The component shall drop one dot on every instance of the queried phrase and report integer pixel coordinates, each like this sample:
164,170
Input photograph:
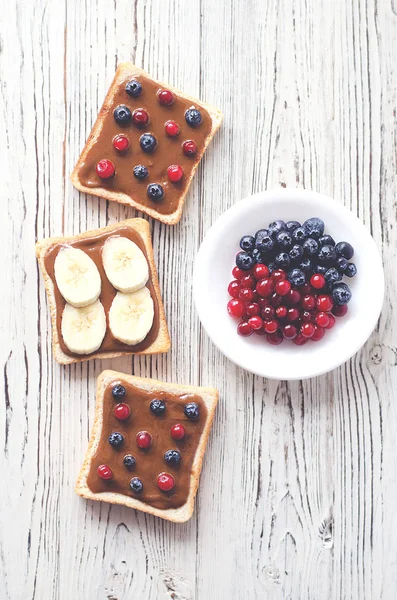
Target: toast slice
177,507
159,340
123,187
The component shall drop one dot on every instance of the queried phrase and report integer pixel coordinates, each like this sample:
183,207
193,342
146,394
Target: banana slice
125,264
84,328
77,277
131,316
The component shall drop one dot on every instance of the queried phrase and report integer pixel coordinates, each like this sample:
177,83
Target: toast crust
131,70
176,515
161,344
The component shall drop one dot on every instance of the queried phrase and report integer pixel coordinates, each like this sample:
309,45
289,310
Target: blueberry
263,241
297,277
291,225
342,264
136,485
310,247
192,411
258,257
296,253
327,255
299,235
284,240
148,142
115,439
332,275
341,294
140,172
283,260
321,269
276,227
172,457
155,191
133,88
122,115
129,461
193,117
271,266
326,240
247,243
157,407
344,249
314,227
306,266
351,270
244,261
118,391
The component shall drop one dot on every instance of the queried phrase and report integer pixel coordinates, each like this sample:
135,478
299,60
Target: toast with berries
146,145
147,444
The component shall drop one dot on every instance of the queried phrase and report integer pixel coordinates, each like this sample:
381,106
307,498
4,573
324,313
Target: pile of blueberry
288,282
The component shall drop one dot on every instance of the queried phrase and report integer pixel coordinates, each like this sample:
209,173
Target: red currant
292,315
305,289
244,329
166,97
308,302
281,312
340,311
300,340
260,331
270,326
322,319
234,288
171,128
283,287
140,117
104,472
165,482
317,281
260,271
306,316
292,298
246,294
253,309
105,169
331,321
279,275
255,323
238,273
236,308
274,338
268,313
177,431
189,148
275,300
121,142
122,411
248,282
289,332
318,334
143,439
175,173
324,303
265,287
307,330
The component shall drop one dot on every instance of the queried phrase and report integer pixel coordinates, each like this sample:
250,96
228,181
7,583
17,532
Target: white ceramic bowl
212,274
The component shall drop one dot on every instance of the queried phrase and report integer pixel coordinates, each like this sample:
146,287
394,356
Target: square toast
157,340
147,464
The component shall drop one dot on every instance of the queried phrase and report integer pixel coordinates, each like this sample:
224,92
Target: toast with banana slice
103,293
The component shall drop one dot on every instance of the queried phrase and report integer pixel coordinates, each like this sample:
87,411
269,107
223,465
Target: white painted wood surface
298,494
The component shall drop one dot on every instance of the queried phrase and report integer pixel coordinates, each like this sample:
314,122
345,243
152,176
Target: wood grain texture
297,495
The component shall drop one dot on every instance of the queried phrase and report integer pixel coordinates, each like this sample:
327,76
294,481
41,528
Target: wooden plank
297,494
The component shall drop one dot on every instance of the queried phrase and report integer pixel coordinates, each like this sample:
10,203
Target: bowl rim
262,198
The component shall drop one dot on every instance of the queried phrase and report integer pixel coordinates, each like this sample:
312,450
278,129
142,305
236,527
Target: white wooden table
298,494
